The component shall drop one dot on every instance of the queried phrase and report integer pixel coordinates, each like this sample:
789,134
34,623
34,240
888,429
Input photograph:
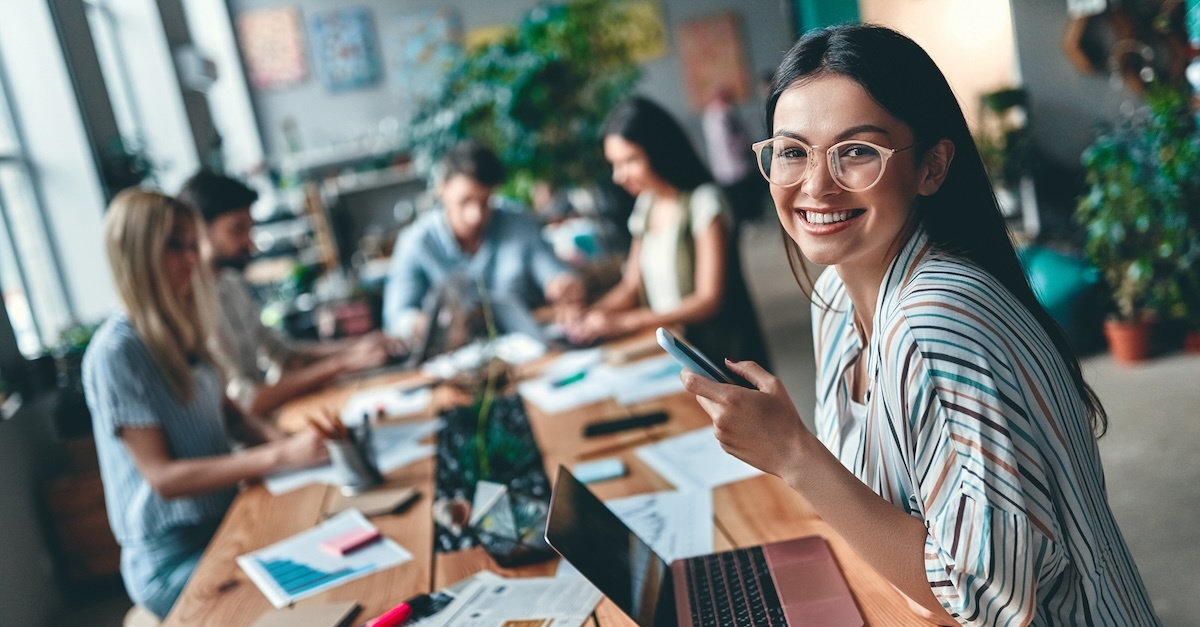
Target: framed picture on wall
272,43
345,49
710,50
419,46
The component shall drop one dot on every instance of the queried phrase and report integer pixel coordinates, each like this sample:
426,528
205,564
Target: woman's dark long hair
670,152
962,218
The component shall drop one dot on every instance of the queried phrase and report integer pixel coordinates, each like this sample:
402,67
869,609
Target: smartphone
694,360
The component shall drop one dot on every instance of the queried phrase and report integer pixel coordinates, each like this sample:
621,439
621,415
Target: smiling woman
953,445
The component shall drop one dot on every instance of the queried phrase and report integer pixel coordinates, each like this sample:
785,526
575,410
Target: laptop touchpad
802,582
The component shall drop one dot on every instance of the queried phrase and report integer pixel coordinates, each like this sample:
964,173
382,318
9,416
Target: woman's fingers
752,372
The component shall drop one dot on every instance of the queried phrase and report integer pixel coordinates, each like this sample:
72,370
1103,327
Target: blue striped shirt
125,389
974,426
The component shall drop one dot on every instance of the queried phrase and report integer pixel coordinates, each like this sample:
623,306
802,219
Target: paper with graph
296,568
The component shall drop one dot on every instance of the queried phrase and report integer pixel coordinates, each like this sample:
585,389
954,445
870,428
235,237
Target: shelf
354,182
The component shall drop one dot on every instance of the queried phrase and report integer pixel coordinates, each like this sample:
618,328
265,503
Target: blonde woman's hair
177,330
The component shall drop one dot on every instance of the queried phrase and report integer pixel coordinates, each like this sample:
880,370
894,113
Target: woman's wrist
809,453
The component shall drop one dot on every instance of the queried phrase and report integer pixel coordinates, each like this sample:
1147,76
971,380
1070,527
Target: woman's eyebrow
846,134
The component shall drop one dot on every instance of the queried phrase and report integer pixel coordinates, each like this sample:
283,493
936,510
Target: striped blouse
973,425
125,389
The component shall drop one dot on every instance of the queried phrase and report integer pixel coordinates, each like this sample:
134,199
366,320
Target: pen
578,376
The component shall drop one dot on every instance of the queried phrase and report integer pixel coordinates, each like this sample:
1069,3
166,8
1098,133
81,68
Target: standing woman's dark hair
962,218
668,148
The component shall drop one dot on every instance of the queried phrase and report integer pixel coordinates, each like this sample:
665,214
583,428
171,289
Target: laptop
791,583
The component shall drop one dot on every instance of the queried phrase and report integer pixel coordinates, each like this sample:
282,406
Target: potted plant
1139,214
538,97
1005,144
71,415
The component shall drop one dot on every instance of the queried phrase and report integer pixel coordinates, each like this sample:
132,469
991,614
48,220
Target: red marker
393,617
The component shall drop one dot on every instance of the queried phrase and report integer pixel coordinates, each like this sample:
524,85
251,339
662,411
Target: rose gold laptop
795,583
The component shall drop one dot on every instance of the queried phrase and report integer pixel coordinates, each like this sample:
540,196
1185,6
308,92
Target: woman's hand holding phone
759,426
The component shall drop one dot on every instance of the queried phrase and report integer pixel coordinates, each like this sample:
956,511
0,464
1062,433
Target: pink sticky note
350,542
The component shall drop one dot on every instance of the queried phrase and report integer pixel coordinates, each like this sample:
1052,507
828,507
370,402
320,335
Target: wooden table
762,509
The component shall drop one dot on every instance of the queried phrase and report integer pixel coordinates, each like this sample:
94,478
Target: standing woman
954,446
683,267
157,404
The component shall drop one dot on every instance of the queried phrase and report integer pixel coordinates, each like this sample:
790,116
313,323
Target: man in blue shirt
501,250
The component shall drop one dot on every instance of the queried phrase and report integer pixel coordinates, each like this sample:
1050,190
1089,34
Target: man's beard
237,263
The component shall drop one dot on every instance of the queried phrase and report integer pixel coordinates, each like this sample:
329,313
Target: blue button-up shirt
513,260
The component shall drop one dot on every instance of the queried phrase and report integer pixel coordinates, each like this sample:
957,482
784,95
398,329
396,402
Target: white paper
551,399
637,382
296,568
562,602
675,524
395,446
695,461
645,380
513,349
392,402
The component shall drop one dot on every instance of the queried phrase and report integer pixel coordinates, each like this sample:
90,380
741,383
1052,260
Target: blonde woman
158,409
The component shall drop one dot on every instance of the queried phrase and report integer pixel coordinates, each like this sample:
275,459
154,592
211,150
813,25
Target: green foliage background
1141,211
537,97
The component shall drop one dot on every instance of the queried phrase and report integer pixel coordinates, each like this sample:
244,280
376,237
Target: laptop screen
585,532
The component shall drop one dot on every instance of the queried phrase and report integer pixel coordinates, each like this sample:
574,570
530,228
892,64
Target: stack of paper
695,461
388,402
296,568
493,601
578,381
675,524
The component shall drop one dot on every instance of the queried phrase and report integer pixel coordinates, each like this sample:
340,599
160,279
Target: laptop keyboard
733,588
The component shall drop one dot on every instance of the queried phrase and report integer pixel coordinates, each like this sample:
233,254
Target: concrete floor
1149,453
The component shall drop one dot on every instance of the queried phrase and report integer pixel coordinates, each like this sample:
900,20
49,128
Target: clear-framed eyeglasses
855,165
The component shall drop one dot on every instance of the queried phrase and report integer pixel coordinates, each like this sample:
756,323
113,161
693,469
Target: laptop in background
791,583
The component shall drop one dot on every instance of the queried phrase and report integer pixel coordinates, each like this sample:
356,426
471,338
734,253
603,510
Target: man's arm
407,281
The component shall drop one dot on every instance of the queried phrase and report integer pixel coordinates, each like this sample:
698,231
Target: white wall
56,143
229,97
970,40
325,118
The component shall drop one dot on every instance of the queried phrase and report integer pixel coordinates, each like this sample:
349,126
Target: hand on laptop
760,427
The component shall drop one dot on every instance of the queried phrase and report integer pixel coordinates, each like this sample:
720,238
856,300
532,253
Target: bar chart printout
296,567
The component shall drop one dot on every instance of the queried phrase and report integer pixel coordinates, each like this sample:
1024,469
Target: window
30,280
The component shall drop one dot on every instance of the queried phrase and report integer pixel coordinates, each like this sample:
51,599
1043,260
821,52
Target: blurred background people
159,414
733,168
500,251
268,367
683,268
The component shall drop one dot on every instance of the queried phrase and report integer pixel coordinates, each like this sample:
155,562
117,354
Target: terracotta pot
1191,341
1129,342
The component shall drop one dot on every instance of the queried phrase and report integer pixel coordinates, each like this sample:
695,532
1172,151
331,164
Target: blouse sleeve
115,379
637,219
990,538
708,204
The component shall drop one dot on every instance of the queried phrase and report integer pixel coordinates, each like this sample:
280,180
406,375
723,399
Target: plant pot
1129,342
1191,341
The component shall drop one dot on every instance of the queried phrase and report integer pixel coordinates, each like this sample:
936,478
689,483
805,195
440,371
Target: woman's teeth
828,218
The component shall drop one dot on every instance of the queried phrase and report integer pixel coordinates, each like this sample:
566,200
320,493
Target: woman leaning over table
683,267
157,403
954,445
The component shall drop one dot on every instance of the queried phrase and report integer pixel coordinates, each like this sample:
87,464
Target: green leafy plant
538,97
1003,137
1140,211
